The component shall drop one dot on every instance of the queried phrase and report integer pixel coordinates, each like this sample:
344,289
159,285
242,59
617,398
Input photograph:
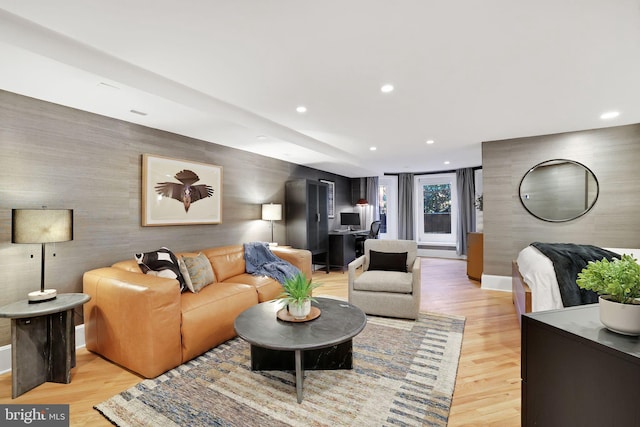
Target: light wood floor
487,389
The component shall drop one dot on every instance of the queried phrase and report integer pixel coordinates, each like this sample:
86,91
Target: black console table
43,345
575,372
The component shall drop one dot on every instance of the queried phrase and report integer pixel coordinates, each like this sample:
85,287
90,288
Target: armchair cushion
384,281
388,261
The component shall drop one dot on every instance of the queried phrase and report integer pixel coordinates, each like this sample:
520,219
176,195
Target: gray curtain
405,206
465,184
371,195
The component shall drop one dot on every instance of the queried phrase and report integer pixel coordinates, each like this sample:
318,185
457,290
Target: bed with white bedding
534,282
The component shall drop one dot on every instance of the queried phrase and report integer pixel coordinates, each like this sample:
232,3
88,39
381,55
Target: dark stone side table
43,346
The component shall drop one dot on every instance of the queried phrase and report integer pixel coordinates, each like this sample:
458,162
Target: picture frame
331,196
180,192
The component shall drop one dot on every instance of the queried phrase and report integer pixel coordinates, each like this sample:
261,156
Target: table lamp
41,226
272,212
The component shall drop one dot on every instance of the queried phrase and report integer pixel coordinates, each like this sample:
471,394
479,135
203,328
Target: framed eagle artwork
180,192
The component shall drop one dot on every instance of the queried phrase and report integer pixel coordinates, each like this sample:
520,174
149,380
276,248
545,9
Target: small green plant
619,279
297,289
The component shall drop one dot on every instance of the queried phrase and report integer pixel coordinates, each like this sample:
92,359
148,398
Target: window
436,208
388,206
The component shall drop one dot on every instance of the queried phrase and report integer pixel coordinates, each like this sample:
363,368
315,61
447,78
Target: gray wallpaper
59,157
613,154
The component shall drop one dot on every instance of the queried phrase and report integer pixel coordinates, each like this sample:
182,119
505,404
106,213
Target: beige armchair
380,290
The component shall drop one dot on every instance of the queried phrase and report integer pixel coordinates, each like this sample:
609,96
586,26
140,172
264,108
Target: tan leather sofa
143,322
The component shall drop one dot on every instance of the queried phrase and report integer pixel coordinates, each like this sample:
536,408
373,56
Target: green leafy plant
618,279
297,289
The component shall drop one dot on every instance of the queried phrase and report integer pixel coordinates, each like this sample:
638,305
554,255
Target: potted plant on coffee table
297,295
617,283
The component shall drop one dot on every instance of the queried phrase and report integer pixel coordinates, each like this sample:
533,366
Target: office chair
374,231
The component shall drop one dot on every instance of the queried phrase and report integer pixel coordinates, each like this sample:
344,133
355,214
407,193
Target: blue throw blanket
261,261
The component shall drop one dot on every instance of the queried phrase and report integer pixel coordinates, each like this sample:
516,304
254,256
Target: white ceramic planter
300,311
620,318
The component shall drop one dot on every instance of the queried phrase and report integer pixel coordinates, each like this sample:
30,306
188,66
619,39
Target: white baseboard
496,283
5,350
439,253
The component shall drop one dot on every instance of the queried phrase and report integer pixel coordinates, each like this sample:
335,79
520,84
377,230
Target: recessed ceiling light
446,162
373,148
609,115
430,141
386,88
301,109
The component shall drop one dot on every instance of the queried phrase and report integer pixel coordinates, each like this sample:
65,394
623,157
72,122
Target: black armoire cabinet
307,218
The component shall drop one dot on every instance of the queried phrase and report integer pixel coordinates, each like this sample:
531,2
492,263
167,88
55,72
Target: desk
342,247
575,372
43,344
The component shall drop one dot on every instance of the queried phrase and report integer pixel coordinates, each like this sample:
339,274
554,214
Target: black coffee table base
334,357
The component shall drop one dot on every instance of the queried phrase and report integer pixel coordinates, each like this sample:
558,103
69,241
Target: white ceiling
464,71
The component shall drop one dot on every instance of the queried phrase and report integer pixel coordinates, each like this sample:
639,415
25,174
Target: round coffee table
322,343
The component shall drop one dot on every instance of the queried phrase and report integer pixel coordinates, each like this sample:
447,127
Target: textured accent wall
60,157
613,154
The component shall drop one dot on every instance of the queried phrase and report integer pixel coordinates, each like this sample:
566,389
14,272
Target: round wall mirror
558,190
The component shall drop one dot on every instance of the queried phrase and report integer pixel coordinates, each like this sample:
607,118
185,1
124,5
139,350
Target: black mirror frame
559,160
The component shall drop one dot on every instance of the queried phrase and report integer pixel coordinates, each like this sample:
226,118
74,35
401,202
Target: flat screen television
350,219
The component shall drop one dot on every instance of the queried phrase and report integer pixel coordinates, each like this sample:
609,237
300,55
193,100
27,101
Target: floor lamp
41,226
272,212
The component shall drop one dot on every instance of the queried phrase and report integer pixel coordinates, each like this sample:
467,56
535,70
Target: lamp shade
41,225
272,212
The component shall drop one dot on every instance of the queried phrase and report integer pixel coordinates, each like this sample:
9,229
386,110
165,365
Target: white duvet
537,271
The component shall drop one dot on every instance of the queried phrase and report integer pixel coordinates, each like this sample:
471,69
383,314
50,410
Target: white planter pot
620,318
300,311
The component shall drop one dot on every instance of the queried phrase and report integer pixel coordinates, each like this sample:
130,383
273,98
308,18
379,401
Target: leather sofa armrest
301,258
133,319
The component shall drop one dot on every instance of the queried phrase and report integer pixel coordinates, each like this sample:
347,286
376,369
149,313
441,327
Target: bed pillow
388,261
200,272
162,263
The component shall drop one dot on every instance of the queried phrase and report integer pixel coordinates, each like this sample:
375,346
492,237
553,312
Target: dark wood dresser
575,372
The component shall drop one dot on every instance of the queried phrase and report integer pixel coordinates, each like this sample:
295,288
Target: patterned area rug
404,374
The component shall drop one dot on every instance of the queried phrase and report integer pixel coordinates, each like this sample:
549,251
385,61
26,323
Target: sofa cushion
267,287
227,261
388,261
208,316
199,272
162,263
384,281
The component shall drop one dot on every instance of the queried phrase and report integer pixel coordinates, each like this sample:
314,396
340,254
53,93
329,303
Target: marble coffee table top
339,321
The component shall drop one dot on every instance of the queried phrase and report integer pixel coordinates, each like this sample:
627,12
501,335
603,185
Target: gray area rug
404,374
